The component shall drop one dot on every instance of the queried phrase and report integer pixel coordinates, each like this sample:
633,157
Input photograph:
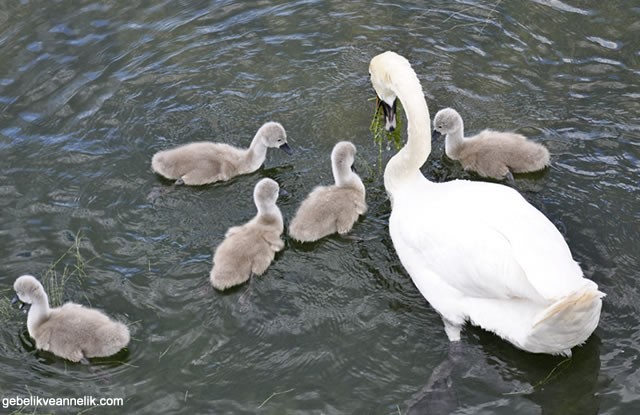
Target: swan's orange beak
389,114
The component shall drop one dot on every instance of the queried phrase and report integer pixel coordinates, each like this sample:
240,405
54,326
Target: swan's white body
478,251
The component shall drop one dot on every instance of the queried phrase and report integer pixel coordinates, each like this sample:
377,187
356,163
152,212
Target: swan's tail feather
553,329
582,299
566,323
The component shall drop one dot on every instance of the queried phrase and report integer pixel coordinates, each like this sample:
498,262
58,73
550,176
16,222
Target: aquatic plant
383,137
52,281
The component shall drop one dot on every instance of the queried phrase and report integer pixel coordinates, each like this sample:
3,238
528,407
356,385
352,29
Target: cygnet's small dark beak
389,114
22,305
285,147
353,168
436,134
282,192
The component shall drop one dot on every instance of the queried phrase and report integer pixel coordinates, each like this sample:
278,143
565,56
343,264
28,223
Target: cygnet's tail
530,156
121,335
566,323
222,278
110,339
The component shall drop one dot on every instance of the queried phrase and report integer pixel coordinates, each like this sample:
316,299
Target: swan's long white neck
405,166
39,311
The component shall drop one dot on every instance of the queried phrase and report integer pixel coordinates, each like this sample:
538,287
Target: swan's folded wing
537,245
467,256
486,241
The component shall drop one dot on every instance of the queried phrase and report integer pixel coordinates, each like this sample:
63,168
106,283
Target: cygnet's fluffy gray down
335,208
205,162
490,153
249,249
73,332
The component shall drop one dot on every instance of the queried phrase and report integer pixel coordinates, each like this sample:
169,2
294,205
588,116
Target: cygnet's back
72,331
490,153
249,249
206,162
335,208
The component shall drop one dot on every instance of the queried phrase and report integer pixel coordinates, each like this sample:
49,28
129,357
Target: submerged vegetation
6,310
53,282
382,137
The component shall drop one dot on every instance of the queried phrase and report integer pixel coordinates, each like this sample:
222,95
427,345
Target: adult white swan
478,251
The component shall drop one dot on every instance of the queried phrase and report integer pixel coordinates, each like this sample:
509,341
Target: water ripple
563,7
89,91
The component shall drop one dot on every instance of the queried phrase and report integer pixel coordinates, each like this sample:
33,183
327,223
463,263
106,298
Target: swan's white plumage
478,251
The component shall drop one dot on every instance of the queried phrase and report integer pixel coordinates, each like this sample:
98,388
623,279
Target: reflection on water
90,90
556,385
439,394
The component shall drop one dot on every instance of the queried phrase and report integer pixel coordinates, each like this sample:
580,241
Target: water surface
90,90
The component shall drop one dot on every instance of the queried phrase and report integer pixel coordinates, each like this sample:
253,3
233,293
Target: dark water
90,90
